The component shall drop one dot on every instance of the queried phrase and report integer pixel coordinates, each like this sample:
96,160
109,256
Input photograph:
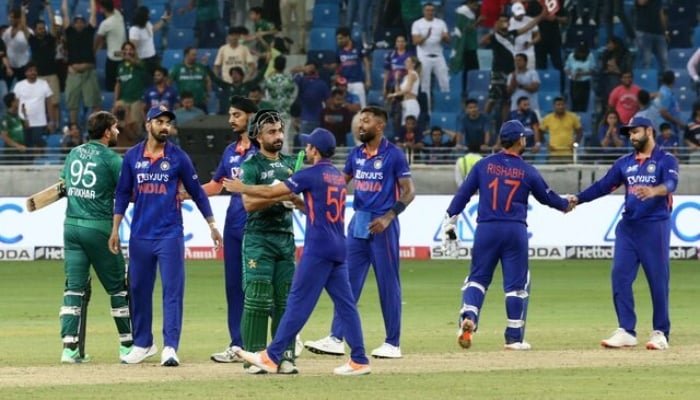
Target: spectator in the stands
237,87
264,30
476,128
313,92
651,32
43,44
616,8
564,129
298,8
34,96
234,54
524,43
624,97
409,137
611,141
614,60
667,140
360,12
523,81
465,163
436,146
407,90
12,130
667,103
465,57
529,119
352,101
586,12
580,67
141,34
394,64
691,135
5,72
184,114
128,91
162,93
209,24
16,38
693,67
112,34
255,94
648,109
337,118
280,89
72,137
191,76
428,34
353,64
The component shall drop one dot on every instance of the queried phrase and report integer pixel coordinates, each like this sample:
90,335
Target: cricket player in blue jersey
383,189
504,182
150,176
240,111
322,264
643,235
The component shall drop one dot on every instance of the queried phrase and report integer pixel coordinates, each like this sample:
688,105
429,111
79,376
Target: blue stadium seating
101,60
686,101
326,16
157,10
545,100
107,100
455,83
185,20
179,38
322,39
446,102
53,140
446,120
696,37
171,58
211,56
321,56
374,97
477,80
481,97
549,80
647,79
683,83
678,58
587,124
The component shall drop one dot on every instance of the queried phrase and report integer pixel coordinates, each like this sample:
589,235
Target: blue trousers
233,279
382,251
312,275
144,257
505,242
647,243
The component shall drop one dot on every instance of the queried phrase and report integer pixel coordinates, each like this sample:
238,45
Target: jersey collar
382,145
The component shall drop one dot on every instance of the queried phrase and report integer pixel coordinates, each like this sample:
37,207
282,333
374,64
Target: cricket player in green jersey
268,238
90,173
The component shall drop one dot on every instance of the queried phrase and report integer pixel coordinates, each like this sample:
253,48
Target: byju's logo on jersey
142,164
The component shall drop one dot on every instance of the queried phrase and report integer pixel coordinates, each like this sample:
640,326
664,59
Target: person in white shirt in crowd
141,34
408,90
16,38
427,34
524,43
233,54
693,67
34,95
523,82
111,33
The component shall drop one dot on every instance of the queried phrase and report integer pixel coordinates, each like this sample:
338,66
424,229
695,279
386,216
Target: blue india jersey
230,167
504,182
632,171
152,181
350,60
396,62
376,176
324,192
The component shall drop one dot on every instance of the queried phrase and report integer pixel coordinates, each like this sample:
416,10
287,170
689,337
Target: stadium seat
446,102
455,83
326,16
186,20
322,39
211,55
485,57
647,79
578,34
678,58
683,83
481,97
545,101
477,80
686,101
696,37
321,56
101,59
53,140
549,80
374,97
180,38
446,120
171,58
586,124
157,10
107,101
680,37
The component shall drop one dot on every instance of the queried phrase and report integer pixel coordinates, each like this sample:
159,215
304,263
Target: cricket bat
47,196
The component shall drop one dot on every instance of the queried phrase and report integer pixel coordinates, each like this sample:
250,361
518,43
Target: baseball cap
518,9
513,130
634,123
156,112
341,81
321,139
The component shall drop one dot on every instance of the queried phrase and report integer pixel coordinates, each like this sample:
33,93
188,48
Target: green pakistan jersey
91,172
260,170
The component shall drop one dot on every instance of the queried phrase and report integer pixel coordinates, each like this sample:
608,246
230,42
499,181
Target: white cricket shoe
352,368
387,350
168,358
138,354
657,341
227,356
298,346
620,338
518,346
327,345
259,360
287,367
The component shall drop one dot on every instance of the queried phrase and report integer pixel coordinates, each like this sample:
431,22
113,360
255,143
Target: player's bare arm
258,197
215,234
408,193
114,245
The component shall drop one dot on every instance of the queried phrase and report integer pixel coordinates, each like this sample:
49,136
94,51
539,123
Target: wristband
398,208
212,225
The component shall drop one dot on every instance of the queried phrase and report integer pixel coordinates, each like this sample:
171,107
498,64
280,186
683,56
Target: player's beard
367,136
112,141
160,137
274,147
640,144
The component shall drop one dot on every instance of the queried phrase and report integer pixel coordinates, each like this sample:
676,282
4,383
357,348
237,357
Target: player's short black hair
521,99
98,123
471,100
664,126
507,144
343,30
376,111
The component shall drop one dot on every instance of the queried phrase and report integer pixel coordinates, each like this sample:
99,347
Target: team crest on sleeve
378,163
164,166
141,164
651,168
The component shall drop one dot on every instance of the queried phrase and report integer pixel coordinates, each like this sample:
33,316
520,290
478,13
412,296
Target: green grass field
570,312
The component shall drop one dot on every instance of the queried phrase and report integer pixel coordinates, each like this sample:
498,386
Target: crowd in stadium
449,72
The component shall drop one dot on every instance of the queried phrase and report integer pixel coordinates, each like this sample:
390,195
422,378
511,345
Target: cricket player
504,182
383,189
91,172
241,110
150,176
643,235
268,239
323,263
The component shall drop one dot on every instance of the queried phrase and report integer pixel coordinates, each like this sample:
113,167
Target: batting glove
450,243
